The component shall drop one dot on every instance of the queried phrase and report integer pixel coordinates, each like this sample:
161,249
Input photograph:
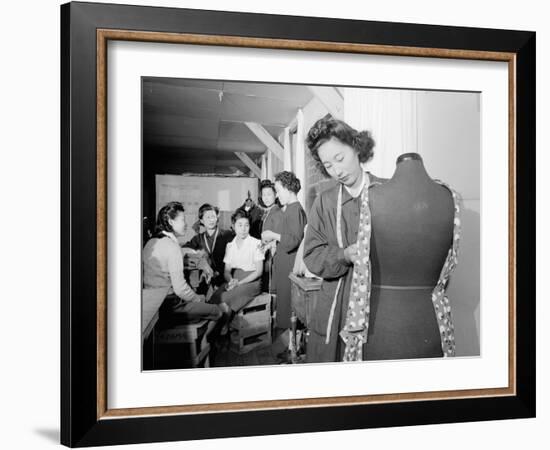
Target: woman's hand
268,236
207,271
267,246
232,283
188,251
351,254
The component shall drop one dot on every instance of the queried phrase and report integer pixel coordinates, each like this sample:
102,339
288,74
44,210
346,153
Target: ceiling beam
332,100
249,163
204,162
263,135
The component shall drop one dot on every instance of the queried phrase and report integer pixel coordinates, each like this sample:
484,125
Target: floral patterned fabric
355,331
441,303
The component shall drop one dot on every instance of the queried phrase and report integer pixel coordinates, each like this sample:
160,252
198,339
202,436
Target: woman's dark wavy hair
328,127
289,181
267,184
240,213
168,211
208,207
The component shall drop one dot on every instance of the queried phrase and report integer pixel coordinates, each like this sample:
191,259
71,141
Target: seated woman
243,266
163,267
212,242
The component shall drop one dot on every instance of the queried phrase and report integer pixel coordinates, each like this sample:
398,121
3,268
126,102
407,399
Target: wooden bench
251,326
193,339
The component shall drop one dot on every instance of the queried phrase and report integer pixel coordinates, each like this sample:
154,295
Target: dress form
412,231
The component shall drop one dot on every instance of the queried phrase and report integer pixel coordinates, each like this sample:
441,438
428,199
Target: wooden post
269,164
300,169
287,163
263,166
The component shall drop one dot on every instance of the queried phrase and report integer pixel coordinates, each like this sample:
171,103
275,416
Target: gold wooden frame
104,35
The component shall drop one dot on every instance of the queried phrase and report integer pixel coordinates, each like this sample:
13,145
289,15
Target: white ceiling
183,115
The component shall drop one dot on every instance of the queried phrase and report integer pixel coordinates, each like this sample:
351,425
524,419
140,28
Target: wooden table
151,301
303,299
303,296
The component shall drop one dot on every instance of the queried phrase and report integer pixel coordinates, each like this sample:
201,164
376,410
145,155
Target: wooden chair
251,326
193,339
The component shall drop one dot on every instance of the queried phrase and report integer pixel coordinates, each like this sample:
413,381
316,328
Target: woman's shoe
225,327
284,356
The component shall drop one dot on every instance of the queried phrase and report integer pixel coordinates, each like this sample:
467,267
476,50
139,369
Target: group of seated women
239,267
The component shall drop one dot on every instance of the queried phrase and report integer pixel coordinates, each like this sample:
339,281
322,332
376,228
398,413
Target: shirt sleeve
227,258
273,221
293,231
322,258
179,285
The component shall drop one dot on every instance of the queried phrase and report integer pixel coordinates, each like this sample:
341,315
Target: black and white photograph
292,224
274,224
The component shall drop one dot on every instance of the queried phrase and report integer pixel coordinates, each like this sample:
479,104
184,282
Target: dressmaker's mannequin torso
412,231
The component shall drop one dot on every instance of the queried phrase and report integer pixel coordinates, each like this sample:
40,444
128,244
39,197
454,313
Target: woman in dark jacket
331,250
271,220
288,240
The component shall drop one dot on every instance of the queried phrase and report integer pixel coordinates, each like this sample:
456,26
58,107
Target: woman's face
241,227
268,196
283,194
341,162
178,223
209,219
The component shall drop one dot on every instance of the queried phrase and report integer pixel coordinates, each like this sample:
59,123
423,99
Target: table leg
293,346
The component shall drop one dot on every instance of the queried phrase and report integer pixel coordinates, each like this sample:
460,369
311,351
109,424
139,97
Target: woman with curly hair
330,248
288,240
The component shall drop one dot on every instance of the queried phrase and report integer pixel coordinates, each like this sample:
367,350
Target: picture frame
86,28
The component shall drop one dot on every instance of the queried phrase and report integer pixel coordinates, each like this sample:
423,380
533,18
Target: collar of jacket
373,179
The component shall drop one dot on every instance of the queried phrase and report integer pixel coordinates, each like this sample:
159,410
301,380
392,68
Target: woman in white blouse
243,266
